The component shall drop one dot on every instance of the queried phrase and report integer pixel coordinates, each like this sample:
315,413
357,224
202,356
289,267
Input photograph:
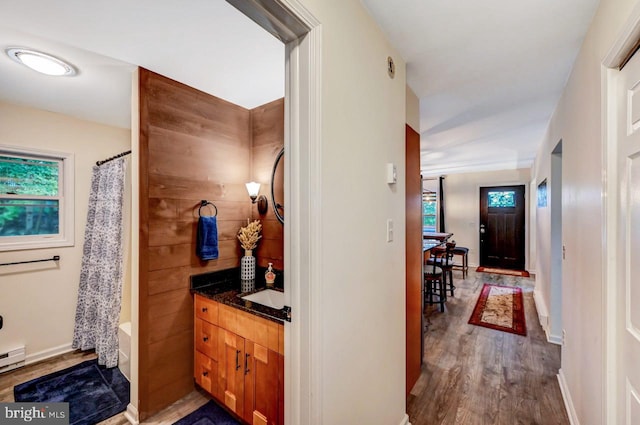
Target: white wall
363,287
413,110
38,301
462,205
577,122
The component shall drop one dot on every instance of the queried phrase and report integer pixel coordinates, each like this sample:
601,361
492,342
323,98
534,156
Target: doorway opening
502,227
557,248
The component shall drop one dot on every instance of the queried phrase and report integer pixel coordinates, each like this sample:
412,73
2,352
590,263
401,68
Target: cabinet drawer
206,338
206,309
205,372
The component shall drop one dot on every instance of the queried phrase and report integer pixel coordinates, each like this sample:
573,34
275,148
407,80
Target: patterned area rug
94,393
500,308
521,273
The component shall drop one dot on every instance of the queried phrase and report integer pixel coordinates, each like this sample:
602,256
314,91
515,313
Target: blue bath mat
209,414
94,393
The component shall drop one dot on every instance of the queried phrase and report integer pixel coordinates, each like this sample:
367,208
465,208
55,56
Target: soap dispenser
270,276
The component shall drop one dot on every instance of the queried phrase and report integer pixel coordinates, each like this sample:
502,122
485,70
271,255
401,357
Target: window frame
436,201
66,205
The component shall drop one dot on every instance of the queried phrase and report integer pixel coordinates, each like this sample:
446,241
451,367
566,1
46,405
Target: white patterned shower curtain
100,291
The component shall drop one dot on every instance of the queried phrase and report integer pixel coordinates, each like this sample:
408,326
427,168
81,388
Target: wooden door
413,243
502,228
231,370
628,232
261,370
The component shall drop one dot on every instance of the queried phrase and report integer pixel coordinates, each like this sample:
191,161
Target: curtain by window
100,290
441,203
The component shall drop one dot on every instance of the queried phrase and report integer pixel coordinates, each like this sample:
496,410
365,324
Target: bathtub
124,350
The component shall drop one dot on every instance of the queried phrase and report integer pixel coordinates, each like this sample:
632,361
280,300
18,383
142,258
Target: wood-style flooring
473,375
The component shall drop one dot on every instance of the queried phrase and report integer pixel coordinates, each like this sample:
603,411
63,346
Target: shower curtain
100,291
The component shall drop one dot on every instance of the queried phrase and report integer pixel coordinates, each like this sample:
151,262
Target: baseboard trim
131,414
566,396
554,339
405,420
541,308
46,354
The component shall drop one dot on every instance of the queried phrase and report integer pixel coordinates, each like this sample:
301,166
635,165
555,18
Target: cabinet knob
205,373
205,309
205,338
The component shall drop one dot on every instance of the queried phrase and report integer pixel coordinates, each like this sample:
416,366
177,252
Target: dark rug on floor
94,393
209,414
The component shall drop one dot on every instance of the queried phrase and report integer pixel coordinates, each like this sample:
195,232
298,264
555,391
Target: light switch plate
389,230
392,173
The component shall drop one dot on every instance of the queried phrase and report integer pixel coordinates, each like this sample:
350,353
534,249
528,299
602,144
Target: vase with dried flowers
249,236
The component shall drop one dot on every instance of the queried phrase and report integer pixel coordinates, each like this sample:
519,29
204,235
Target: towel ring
204,203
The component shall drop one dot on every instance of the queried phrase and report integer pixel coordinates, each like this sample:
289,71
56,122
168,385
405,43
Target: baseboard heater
12,359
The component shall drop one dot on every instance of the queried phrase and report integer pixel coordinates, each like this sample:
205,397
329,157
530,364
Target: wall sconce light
254,188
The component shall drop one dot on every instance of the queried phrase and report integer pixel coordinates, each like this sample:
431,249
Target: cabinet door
206,338
261,385
205,372
231,370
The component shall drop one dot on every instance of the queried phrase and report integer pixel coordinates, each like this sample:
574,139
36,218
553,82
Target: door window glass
502,199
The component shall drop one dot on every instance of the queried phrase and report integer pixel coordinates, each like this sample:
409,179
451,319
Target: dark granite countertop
224,287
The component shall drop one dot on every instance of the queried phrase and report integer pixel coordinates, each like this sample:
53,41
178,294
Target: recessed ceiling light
41,62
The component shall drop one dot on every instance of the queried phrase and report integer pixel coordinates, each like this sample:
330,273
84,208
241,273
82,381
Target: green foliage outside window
429,211
26,188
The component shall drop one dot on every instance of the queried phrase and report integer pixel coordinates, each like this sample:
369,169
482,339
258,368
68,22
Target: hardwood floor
471,375
478,376
169,415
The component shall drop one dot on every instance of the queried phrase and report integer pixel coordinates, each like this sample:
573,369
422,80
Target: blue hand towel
207,242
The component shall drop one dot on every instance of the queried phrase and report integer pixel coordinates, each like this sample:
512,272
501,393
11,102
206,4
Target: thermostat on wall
392,174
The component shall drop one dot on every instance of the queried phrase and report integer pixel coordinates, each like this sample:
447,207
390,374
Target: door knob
482,228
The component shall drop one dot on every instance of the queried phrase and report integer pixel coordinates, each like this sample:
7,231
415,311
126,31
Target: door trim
291,22
629,34
527,217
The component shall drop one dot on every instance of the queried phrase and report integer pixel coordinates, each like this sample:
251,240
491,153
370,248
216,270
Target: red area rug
521,273
500,308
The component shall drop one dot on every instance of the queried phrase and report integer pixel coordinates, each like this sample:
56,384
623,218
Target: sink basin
268,297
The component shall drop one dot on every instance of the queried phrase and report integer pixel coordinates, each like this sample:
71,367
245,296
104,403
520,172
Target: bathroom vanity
239,351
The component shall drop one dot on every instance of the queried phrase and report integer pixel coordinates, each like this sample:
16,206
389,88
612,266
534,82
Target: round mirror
277,186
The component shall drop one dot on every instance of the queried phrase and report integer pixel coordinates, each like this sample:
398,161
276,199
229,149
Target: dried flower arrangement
249,235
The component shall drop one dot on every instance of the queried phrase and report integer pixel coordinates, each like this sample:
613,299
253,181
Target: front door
502,227
628,232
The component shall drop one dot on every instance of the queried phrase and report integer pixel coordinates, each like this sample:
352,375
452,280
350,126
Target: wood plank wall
268,139
193,146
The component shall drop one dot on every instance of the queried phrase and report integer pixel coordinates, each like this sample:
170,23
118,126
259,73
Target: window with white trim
36,199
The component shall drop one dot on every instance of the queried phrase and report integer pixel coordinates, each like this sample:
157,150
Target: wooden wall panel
193,146
268,139
413,258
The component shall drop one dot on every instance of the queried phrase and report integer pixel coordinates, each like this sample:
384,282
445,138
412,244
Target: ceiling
488,74
206,44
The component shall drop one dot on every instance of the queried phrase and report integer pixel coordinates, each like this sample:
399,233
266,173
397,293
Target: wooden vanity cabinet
261,384
231,374
244,367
